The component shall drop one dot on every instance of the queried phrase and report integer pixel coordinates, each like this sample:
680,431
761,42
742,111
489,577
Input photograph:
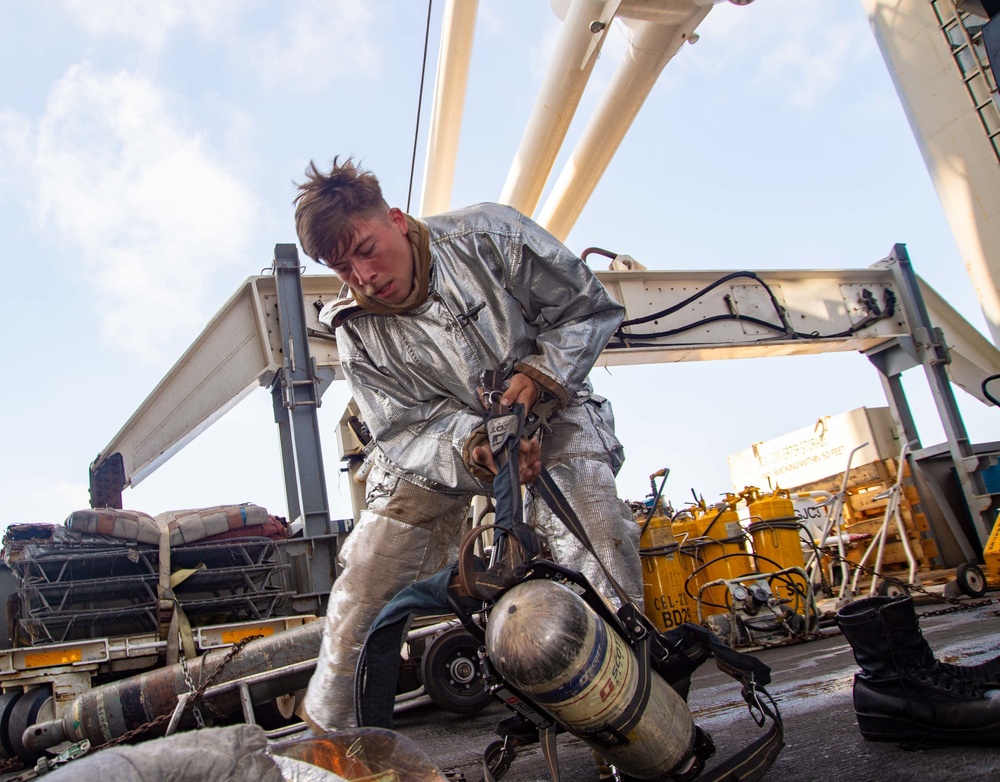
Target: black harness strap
557,502
746,765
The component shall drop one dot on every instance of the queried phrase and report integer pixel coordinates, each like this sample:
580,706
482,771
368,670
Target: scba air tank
666,603
775,532
547,642
712,548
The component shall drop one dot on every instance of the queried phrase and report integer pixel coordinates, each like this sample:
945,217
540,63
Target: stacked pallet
864,512
87,580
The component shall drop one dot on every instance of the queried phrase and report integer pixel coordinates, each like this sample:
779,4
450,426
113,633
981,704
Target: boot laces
947,678
986,673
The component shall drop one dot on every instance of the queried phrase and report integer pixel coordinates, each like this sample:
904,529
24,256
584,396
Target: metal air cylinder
111,710
665,602
775,532
712,548
546,641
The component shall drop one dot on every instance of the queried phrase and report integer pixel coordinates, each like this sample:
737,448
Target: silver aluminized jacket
502,291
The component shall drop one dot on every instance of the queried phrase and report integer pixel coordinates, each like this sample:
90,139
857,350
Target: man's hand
521,389
529,458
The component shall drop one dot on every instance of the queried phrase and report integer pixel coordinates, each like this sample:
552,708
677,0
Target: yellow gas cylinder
685,529
991,555
712,544
774,532
666,603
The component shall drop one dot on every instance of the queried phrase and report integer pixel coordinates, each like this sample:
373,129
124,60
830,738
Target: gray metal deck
812,685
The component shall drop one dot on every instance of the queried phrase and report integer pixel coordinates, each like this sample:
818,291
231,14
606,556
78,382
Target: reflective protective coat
502,292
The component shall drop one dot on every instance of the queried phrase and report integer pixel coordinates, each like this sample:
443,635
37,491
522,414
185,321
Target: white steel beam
240,348
652,46
716,321
560,93
942,104
454,56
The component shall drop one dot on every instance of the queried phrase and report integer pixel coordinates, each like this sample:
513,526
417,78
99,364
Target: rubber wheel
23,716
7,701
889,589
449,671
970,580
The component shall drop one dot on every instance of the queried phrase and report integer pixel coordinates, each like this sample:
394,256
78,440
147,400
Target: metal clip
494,384
754,705
45,765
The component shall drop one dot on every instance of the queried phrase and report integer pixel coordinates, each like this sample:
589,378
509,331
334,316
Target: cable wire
784,329
420,100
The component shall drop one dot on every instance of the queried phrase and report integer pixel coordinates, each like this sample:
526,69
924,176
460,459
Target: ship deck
811,683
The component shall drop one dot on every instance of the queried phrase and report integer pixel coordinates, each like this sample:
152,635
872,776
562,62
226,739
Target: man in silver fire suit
432,303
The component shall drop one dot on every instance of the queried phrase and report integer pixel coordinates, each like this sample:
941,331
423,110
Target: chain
956,603
15,763
962,607
199,720
11,764
197,695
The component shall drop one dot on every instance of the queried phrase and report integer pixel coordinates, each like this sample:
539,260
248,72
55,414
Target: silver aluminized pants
408,533
582,454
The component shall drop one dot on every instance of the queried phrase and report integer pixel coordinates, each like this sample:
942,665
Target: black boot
903,693
985,673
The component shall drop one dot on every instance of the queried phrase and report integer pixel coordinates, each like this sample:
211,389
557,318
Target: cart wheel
449,670
25,713
970,580
890,589
7,701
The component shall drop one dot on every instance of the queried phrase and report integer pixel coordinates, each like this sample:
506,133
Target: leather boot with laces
985,673
902,693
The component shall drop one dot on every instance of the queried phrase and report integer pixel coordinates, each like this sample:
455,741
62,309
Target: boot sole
876,727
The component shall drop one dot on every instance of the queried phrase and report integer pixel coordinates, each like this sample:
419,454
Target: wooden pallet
863,513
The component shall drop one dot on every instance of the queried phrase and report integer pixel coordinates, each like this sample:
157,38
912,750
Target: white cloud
15,142
317,42
151,23
312,43
777,49
139,197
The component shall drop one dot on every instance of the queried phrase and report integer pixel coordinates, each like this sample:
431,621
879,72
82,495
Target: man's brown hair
327,205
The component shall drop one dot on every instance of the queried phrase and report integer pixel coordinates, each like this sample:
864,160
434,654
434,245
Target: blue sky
147,160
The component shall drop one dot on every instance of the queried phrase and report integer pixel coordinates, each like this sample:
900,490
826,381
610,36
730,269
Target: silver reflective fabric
382,556
503,291
582,455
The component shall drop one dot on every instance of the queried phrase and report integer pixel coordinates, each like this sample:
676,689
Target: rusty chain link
196,697
956,603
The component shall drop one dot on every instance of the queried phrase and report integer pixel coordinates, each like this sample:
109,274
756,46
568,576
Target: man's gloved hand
479,458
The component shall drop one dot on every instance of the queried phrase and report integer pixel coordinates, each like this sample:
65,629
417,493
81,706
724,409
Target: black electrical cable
696,324
986,393
708,289
598,251
420,100
629,339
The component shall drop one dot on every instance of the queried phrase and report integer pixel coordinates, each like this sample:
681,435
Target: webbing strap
547,738
748,764
557,502
752,762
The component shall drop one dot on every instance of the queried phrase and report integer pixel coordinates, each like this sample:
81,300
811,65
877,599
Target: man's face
379,260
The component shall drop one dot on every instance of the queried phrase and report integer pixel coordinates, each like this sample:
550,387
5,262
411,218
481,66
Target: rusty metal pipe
112,710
